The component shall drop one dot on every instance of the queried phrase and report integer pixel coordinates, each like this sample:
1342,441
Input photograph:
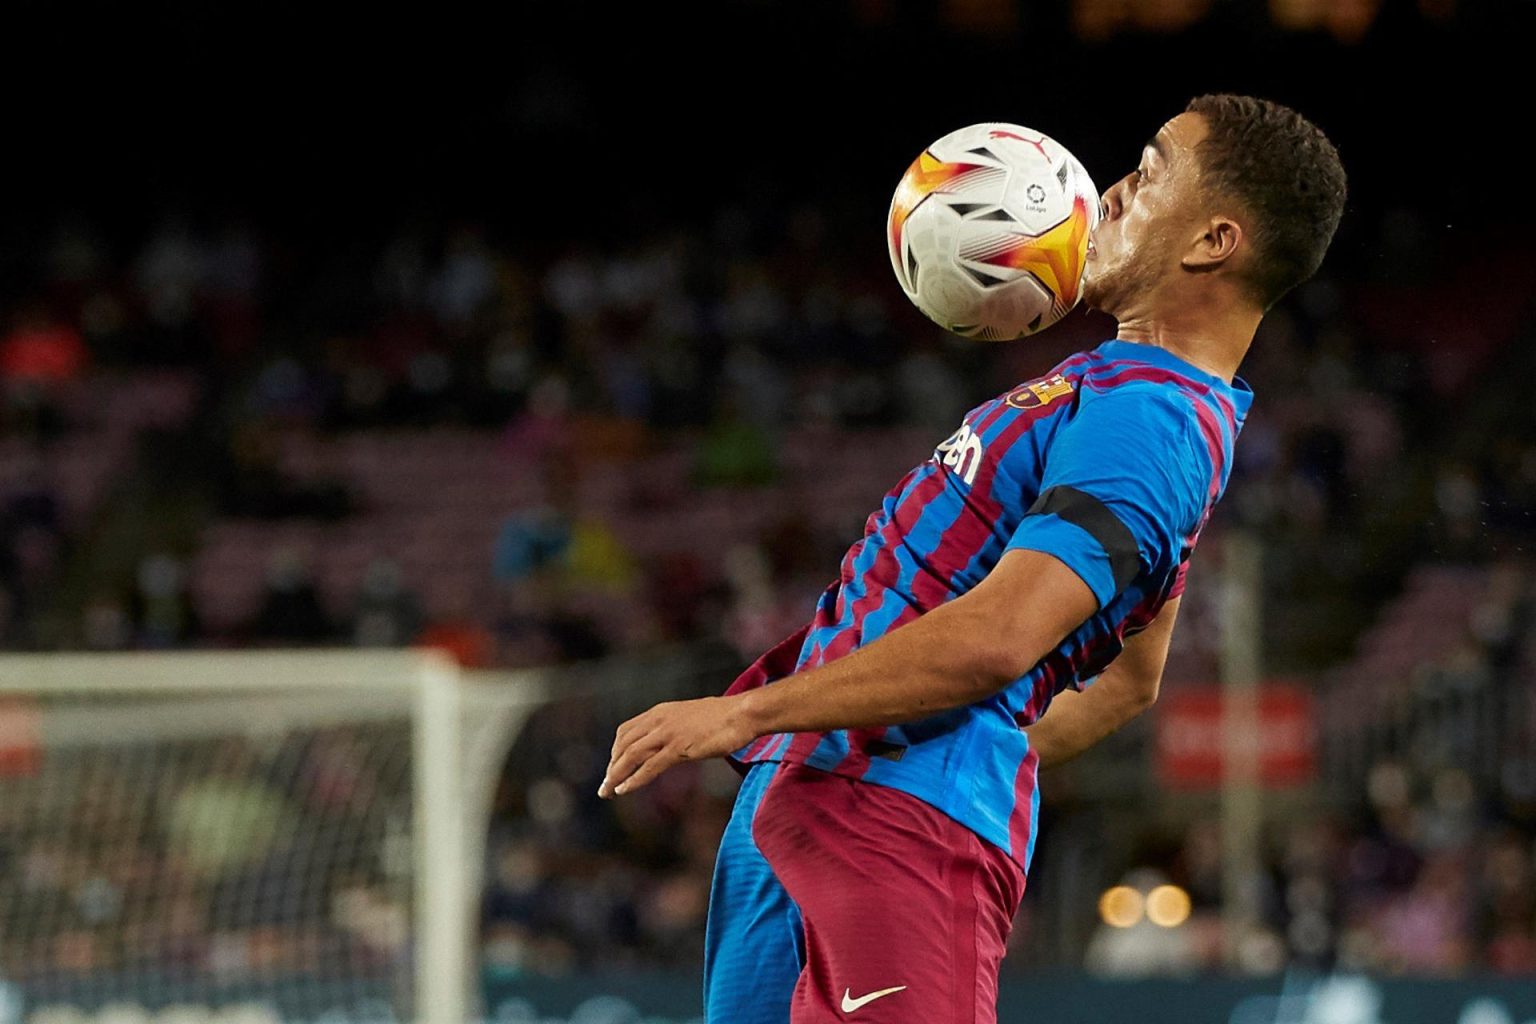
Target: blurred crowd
1416,854
588,359
584,362
1432,877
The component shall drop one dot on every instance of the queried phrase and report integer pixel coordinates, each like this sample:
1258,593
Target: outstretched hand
669,734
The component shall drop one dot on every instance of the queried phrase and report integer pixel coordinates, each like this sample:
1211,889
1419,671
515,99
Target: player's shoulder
1130,372
1140,400
1137,417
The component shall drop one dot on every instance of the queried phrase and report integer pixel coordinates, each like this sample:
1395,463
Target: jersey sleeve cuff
1078,549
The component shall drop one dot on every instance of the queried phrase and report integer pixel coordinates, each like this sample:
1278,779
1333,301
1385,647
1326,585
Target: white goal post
247,835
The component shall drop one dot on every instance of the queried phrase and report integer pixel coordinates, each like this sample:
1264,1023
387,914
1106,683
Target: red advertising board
1192,740
20,751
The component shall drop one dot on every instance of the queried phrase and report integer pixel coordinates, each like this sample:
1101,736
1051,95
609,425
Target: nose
1114,199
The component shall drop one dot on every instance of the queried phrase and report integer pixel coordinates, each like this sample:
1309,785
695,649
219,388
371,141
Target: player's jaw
1115,263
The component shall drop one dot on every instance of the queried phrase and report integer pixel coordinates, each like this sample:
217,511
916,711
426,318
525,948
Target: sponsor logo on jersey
961,452
1040,392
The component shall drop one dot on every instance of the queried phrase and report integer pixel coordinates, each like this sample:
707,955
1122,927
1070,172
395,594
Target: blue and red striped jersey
1112,463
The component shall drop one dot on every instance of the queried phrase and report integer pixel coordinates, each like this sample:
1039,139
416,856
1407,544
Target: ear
1214,246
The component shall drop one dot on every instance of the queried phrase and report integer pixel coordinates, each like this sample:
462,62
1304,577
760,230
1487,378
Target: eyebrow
1158,146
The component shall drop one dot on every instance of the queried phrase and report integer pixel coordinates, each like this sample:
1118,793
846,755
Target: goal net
245,838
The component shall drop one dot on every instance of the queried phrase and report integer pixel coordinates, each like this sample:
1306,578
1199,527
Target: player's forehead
1180,135
1177,138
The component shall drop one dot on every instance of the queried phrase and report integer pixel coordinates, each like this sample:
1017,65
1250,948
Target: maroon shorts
906,912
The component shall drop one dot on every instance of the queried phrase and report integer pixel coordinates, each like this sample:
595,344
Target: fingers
629,740
661,738
649,769
627,755
619,741
630,758
634,728
630,726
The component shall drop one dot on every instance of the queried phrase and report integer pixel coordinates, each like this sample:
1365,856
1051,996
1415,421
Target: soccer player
876,855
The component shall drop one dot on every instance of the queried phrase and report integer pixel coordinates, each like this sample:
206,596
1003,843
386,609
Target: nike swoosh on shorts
850,1004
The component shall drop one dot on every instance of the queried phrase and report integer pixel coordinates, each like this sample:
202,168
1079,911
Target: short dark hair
1287,176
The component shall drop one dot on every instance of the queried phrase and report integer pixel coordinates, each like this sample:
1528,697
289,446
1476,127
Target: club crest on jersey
961,452
1040,392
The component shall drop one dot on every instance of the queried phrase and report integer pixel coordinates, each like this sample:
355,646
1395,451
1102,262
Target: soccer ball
989,230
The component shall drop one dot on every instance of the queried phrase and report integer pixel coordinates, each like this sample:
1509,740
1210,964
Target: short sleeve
1177,589
1125,481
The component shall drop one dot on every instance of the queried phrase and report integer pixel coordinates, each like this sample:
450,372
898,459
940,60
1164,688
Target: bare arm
957,654
1076,721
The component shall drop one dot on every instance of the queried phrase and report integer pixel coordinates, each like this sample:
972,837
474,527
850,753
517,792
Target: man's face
1148,216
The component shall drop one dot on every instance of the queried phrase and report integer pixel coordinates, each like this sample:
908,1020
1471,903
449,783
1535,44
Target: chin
1095,296
1109,287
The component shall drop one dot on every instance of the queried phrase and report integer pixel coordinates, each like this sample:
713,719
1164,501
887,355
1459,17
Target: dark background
579,119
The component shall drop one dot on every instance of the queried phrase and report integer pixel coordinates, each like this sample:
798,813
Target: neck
1215,341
